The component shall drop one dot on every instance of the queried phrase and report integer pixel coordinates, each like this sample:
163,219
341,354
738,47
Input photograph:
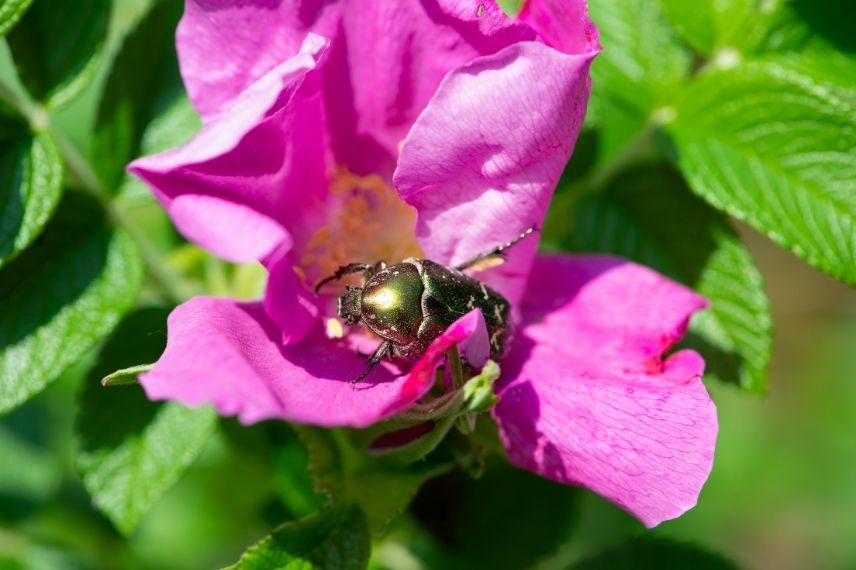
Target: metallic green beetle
411,303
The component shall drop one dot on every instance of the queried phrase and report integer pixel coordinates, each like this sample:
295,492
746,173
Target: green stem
457,367
167,280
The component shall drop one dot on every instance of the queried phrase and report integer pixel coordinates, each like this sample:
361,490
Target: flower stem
172,286
457,367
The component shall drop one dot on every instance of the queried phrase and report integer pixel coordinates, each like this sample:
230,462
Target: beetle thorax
391,304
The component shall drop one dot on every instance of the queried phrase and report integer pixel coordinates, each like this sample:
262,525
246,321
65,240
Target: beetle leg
494,256
366,269
348,269
381,351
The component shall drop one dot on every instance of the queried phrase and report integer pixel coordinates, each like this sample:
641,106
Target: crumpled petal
228,354
224,46
387,60
586,396
562,24
481,162
236,187
288,301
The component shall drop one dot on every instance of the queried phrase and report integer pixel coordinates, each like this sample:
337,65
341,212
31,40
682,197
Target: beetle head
350,305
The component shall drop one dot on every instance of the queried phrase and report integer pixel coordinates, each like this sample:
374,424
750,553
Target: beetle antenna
495,256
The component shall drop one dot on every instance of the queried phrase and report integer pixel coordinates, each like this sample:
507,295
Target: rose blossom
379,129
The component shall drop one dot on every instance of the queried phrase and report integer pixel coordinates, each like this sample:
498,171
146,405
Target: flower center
368,223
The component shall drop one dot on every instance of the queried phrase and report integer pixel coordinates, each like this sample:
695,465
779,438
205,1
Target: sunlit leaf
57,47
62,296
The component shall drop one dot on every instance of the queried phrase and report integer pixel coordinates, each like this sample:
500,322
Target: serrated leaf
143,82
30,185
708,25
10,12
654,553
648,215
347,475
57,47
331,539
771,147
133,450
641,67
62,296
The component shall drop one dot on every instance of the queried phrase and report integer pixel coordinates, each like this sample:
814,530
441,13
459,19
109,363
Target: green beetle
411,303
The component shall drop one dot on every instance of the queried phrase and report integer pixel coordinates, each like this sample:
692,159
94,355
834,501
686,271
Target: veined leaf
133,450
773,148
57,47
30,184
62,296
641,67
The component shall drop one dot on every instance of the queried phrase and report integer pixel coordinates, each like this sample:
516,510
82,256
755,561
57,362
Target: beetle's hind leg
366,269
382,350
495,256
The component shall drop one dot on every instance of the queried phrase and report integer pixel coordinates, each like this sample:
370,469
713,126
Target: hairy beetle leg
381,351
494,254
366,269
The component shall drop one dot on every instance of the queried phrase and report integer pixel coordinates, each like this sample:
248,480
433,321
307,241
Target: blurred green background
782,494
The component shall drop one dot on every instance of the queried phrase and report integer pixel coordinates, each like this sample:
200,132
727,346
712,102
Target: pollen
367,222
334,328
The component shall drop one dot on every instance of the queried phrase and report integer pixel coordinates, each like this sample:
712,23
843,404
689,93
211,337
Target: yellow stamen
369,223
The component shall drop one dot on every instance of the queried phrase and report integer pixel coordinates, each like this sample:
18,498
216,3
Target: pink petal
563,24
388,59
228,354
224,46
288,300
237,187
587,398
482,160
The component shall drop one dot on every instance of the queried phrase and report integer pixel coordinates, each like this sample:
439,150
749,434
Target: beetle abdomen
458,294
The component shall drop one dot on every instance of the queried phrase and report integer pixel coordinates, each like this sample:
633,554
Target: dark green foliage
57,47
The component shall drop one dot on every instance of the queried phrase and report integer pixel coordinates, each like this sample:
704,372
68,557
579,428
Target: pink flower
331,131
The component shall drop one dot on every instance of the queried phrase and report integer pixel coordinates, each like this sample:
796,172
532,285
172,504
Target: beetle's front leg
381,351
367,269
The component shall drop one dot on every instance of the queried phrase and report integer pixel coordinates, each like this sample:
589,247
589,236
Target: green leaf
641,68
29,471
773,148
10,12
654,553
347,475
331,539
143,83
648,215
708,25
57,47
133,450
62,296
30,185
173,126
505,520
125,376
